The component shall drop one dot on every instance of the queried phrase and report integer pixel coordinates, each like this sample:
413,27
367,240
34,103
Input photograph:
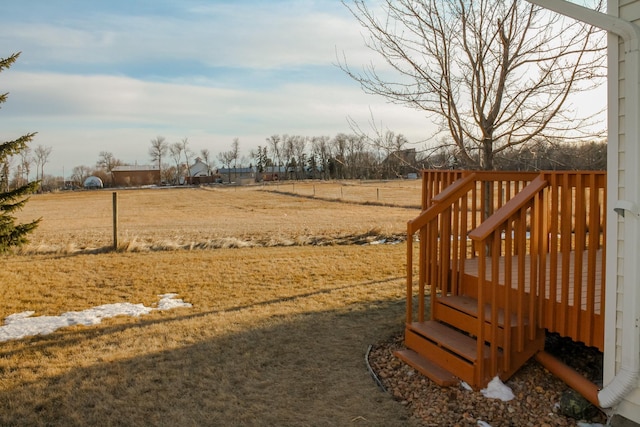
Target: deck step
448,338
469,306
446,347
437,374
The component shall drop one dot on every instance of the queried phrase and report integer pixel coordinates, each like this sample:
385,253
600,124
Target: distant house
199,168
201,173
135,175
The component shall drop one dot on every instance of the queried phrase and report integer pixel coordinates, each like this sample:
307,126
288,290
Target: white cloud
249,35
79,116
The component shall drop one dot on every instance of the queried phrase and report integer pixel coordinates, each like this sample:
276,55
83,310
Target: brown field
279,326
272,215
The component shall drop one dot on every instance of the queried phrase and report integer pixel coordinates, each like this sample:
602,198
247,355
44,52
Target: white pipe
626,379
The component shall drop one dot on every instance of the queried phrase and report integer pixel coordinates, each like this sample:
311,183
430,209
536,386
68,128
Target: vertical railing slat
593,238
494,284
565,249
409,304
508,272
579,215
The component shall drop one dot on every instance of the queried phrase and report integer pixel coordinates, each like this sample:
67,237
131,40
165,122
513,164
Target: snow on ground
496,389
20,325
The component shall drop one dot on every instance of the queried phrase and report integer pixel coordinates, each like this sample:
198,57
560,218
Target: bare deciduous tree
175,151
298,146
107,161
186,151
25,164
41,154
321,150
158,150
492,74
227,158
206,158
80,173
274,143
235,150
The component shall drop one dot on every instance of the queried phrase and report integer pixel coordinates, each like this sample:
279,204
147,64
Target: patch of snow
385,242
581,424
483,424
20,325
169,301
497,390
466,386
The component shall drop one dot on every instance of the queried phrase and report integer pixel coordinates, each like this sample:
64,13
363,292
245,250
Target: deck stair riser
462,313
445,347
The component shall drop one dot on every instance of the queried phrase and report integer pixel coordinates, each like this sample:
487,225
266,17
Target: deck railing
435,181
453,211
529,245
573,270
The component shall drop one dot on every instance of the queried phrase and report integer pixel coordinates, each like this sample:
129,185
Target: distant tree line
296,157
589,155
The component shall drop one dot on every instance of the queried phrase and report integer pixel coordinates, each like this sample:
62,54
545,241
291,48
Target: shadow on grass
304,369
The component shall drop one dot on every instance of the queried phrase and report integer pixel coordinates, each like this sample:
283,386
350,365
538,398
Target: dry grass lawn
276,336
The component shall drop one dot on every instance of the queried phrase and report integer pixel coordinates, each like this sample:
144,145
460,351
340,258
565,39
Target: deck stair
503,258
446,350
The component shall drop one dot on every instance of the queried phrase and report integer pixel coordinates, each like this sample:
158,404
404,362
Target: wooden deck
541,235
556,289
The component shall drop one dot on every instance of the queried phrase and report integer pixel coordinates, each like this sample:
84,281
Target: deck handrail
441,202
438,204
515,204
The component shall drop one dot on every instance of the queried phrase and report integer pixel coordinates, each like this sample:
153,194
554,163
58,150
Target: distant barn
135,175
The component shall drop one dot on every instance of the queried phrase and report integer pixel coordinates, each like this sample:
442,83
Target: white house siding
630,11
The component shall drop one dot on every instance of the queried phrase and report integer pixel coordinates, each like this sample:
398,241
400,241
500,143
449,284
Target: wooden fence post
115,221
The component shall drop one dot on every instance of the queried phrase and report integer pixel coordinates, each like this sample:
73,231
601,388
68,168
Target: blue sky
112,75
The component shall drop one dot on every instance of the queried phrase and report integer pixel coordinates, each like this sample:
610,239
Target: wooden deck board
460,344
471,268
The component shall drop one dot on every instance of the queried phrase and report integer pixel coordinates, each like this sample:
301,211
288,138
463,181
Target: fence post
115,221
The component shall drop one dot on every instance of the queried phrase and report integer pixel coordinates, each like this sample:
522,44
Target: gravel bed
537,393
